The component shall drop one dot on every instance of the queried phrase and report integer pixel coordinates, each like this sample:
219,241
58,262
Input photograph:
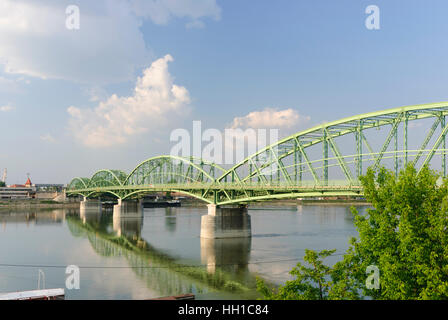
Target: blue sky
228,59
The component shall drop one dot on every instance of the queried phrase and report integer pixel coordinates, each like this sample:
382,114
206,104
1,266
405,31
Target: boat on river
42,294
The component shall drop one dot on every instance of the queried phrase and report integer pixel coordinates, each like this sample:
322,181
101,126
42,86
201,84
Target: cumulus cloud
155,103
270,118
108,47
258,129
34,41
6,108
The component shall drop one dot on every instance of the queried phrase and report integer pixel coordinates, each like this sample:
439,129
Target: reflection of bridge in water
223,266
326,160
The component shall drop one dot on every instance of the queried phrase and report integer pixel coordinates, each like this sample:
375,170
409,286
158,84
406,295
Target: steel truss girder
341,160
442,107
277,159
427,139
436,145
391,134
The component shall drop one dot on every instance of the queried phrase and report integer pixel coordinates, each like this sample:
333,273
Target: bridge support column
226,222
128,206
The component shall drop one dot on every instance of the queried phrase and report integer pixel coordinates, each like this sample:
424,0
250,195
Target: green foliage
405,236
2,184
313,282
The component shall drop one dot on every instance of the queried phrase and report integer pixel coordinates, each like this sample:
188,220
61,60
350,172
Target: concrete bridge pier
90,204
226,222
128,207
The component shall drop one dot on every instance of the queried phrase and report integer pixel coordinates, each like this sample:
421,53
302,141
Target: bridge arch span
168,169
317,151
107,178
325,160
76,184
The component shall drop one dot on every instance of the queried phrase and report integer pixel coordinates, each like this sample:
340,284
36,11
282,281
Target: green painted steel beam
325,156
436,145
391,134
340,159
427,139
313,172
405,138
281,166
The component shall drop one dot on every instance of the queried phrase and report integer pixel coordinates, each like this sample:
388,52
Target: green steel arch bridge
325,160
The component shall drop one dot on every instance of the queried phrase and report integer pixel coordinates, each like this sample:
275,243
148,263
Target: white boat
43,294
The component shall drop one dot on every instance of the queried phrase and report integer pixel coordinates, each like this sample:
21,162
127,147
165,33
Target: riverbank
50,204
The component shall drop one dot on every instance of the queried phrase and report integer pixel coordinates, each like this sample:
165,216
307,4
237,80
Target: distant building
19,191
27,184
49,187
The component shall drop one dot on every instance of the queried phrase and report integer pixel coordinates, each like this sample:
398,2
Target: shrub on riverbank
405,237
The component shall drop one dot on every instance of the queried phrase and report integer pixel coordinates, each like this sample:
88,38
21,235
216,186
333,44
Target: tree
405,236
311,283
2,184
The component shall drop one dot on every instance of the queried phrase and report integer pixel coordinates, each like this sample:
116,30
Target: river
159,252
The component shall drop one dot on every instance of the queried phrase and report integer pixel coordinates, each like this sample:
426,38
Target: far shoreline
50,204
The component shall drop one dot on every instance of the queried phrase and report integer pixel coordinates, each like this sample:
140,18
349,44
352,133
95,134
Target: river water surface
158,252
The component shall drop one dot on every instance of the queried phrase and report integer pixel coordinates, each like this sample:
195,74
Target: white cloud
108,48
270,118
155,103
6,108
259,129
34,41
